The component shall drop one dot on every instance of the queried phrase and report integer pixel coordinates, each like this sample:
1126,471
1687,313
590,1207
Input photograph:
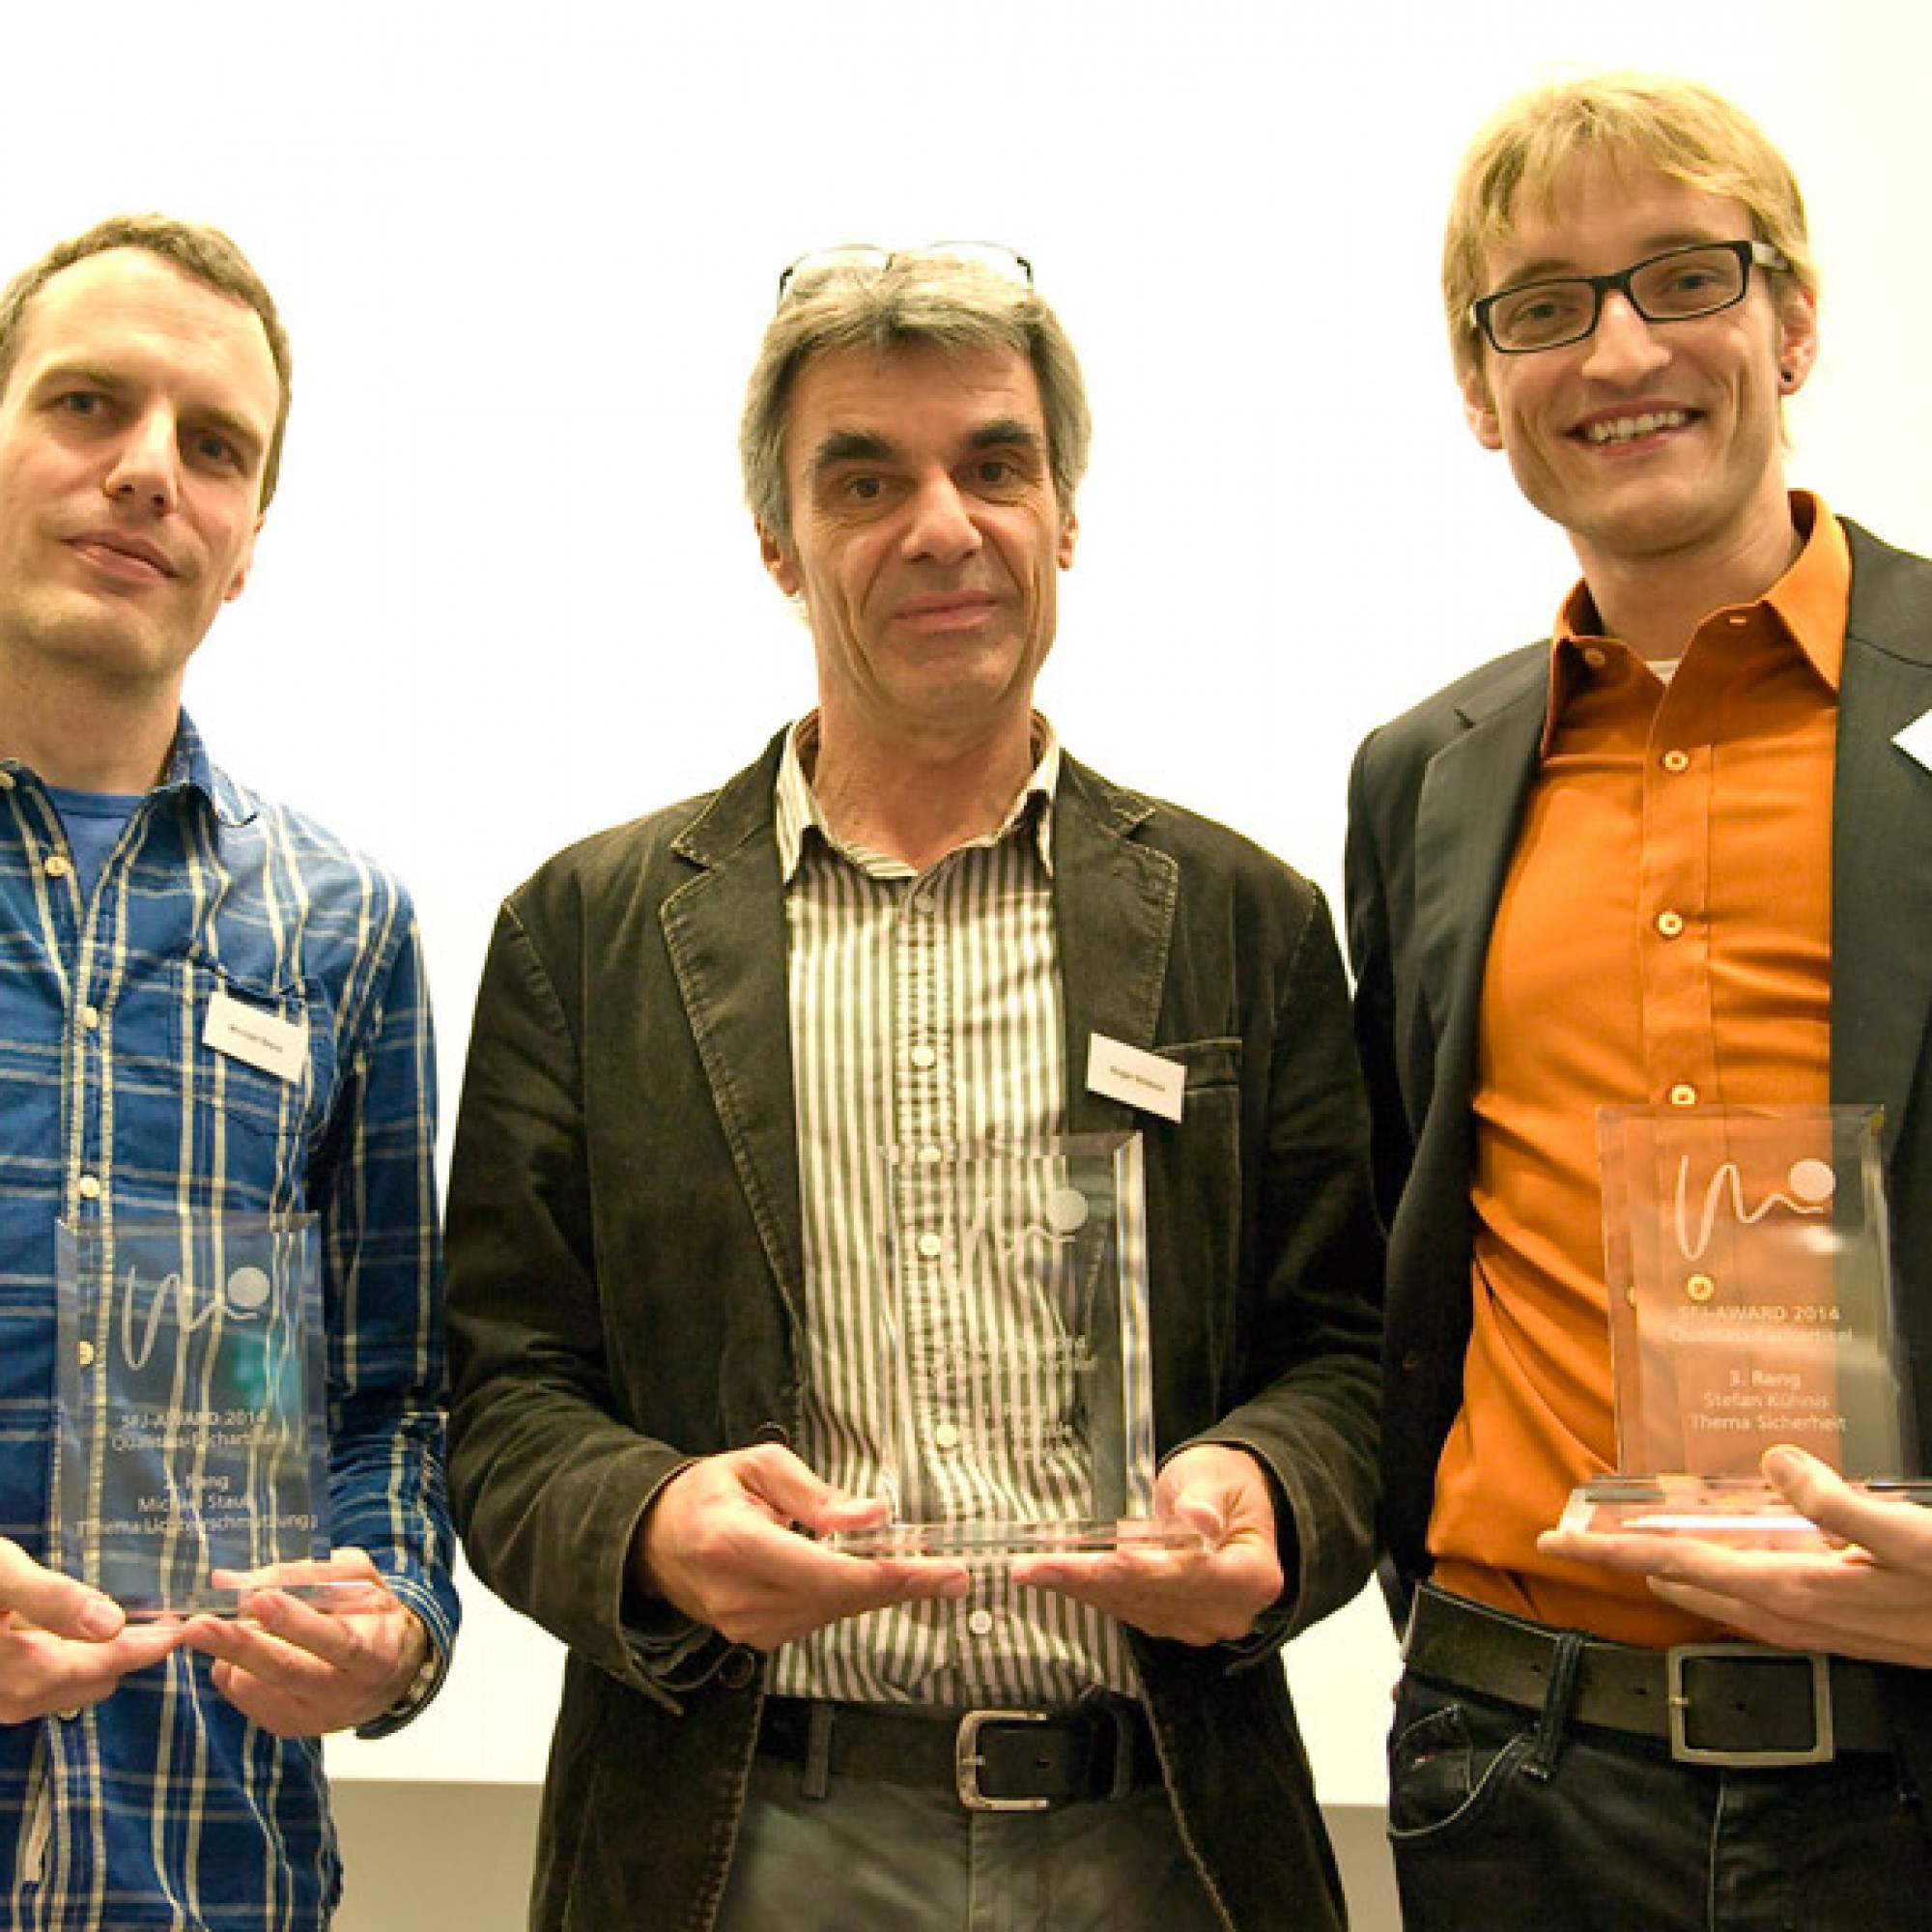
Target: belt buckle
967,1760
1820,1750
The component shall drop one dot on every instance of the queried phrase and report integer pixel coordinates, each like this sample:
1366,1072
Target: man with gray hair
913,929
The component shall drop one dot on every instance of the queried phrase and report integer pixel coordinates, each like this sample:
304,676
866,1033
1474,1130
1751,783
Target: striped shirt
162,1805
926,1014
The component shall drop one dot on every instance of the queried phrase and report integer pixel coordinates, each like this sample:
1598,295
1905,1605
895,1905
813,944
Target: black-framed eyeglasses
1678,285
864,258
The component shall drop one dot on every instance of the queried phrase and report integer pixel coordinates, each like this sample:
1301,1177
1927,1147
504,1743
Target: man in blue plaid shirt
209,1007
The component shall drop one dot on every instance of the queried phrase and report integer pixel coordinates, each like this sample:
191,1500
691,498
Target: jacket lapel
725,933
1465,825
1115,903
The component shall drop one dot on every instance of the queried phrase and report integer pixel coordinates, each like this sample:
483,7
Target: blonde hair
1522,157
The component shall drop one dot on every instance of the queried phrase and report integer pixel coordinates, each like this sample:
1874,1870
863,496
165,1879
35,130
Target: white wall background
508,592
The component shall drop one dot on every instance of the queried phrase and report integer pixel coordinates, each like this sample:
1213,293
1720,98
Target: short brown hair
1684,130
204,253
914,298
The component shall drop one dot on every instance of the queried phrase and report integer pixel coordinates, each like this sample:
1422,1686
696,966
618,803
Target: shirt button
58,866
1670,924
924,1057
946,1435
930,1246
6,780
1595,657
930,1154
1677,761
1683,1095
86,1355
1737,620
90,1017
88,1187
981,1623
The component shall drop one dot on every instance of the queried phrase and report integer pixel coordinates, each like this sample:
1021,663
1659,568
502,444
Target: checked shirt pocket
252,1113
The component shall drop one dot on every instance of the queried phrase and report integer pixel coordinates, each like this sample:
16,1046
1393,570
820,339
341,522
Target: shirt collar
797,810
1811,603
190,770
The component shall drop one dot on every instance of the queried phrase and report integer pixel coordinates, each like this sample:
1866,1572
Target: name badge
1144,1080
1917,739
263,1040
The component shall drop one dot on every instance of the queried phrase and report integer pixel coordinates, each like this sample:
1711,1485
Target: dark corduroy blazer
625,1259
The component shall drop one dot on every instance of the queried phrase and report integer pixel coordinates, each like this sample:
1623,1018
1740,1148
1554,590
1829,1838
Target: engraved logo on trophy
1811,1183
242,1296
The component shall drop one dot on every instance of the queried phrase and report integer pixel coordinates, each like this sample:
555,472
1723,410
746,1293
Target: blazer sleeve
374,1188
548,1480
1320,1260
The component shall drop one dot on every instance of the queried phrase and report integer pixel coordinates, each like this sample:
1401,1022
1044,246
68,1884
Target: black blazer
1435,802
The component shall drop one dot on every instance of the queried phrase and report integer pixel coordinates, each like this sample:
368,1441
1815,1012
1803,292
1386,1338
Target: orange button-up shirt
1663,936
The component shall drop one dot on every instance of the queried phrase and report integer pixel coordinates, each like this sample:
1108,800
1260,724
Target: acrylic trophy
1015,1349
1751,1303
193,1439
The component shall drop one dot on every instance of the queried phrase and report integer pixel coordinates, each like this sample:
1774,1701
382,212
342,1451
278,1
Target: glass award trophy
193,1439
1751,1303
1015,1345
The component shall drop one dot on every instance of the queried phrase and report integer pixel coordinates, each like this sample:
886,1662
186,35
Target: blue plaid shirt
162,1805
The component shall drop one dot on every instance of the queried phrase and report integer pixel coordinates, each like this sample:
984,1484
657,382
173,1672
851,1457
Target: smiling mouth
1632,428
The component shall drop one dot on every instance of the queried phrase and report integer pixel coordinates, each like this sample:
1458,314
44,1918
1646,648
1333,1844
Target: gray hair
914,300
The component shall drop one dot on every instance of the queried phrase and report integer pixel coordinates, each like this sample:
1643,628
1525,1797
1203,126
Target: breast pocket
257,1061
1207,1136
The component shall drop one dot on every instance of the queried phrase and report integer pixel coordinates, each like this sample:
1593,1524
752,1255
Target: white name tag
1145,1080
1917,739
246,1032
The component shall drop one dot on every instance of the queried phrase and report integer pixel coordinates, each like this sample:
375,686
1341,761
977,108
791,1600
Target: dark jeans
1597,1830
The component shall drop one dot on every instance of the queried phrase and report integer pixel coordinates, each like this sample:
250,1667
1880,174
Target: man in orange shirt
1678,856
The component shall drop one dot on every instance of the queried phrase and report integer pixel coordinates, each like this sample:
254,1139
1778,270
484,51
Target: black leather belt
1712,1703
994,1760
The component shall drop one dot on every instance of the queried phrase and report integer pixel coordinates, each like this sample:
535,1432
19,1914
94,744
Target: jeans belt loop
1554,1718
1820,1750
817,1780
1123,1751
